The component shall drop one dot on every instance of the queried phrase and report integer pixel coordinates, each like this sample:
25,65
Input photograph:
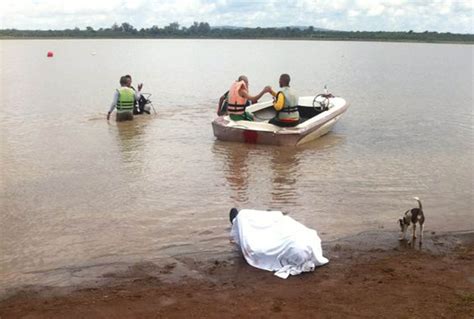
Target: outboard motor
144,104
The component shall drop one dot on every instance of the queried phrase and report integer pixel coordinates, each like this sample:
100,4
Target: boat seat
308,112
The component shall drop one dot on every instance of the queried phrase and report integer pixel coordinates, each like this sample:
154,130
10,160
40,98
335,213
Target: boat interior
267,113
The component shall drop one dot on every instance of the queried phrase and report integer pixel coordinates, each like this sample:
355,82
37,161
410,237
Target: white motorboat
318,114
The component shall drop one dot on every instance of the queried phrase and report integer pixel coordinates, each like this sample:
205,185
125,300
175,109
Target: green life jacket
289,113
126,99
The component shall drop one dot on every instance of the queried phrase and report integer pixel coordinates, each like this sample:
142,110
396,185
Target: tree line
204,30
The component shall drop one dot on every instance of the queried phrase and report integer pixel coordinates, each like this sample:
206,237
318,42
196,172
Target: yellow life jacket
289,101
126,99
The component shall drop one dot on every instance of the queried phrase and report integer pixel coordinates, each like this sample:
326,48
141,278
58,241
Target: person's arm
113,105
219,106
138,93
279,102
221,102
244,93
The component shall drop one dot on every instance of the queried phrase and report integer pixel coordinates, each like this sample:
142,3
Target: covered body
272,241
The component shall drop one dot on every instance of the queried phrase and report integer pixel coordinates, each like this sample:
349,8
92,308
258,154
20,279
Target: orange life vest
236,103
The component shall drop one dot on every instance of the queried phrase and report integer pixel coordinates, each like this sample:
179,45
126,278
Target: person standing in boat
238,99
286,104
124,100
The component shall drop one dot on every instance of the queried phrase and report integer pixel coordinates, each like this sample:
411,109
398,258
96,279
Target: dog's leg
403,233
421,233
414,230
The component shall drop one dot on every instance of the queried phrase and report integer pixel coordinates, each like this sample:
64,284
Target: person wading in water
124,100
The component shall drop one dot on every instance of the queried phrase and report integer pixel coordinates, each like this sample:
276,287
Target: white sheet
272,241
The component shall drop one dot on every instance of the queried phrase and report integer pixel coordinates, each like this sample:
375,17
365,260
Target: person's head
243,78
124,81
129,78
232,214
284,80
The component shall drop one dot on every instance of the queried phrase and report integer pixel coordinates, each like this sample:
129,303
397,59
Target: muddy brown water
80,193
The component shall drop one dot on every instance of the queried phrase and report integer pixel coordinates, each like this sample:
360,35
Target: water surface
77,191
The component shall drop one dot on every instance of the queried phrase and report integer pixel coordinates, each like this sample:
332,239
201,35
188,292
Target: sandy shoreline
369,275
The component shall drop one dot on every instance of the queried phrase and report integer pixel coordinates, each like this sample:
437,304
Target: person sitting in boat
139,106
239,97
286,104
224,102
124,99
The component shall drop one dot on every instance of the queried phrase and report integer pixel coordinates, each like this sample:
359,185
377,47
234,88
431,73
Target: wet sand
370,275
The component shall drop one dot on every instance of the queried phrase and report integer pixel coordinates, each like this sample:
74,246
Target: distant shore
243,38
202,30
369,275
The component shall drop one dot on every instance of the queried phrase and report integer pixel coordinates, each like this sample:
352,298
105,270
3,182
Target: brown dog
412,217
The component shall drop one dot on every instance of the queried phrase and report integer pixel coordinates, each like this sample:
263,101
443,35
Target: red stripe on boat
250,136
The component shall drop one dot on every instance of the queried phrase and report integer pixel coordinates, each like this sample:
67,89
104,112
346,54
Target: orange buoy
50,54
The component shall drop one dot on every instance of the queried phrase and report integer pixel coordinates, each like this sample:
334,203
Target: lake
78,192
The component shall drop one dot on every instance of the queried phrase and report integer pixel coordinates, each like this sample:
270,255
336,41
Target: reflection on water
130,139
235,169
78,192
269,176
285,171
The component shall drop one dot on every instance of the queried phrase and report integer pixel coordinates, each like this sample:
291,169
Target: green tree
204,28
115,27
127,27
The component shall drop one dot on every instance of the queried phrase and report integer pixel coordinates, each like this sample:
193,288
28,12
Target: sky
455,16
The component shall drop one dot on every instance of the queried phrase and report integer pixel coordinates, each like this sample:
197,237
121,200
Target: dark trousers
276,121
124,116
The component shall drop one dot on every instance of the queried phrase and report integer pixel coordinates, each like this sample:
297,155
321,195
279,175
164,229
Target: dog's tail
419,202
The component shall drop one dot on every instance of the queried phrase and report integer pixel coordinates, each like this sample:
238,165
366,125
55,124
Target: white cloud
386,15
353,13
376,10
